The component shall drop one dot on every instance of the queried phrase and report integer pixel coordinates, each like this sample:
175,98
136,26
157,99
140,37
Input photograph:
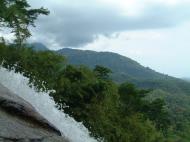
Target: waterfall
45,105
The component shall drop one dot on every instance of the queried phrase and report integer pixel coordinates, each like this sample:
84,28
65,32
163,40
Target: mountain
126,70
37,46
121,66
186,79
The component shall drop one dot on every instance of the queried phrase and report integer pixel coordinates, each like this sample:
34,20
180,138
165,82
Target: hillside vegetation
122,67
176,92
186,79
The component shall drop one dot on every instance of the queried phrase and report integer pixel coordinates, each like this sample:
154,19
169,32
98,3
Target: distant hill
37,46
124,69
186,79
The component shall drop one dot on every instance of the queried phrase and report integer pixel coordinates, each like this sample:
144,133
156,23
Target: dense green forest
175,92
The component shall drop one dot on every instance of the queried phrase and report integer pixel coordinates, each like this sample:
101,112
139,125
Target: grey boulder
20,122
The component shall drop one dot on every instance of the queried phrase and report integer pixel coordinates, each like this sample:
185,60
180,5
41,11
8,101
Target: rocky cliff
20,122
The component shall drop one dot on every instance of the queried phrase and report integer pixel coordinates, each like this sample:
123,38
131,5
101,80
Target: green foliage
175,92
130,98
132,101
102,72
178,110
17,15
156,112
39,67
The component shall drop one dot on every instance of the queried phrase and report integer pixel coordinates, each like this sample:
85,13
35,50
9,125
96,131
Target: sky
153,32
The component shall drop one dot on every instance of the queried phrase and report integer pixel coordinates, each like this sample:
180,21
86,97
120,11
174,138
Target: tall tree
18,15
102,72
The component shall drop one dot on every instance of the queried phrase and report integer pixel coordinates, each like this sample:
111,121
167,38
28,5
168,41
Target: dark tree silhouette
18,15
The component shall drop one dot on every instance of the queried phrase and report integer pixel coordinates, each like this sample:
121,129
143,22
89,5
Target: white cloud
72,24
127,7
7,35
136,7
173,2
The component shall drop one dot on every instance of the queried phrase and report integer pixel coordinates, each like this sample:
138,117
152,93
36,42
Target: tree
18,16
157,112
2,40
131,97
102,72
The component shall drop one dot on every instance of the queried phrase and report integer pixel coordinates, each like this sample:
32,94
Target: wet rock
20,122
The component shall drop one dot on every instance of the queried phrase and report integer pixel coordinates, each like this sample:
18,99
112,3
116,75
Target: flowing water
44,104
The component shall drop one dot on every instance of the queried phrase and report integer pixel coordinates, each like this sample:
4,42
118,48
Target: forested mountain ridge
186,79
37,46
121,66
125,69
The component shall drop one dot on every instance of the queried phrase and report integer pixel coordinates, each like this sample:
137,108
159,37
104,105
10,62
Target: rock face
20,122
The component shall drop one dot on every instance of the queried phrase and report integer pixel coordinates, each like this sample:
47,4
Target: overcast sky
156,33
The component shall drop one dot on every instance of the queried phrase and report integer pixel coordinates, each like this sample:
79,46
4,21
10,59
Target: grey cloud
73,26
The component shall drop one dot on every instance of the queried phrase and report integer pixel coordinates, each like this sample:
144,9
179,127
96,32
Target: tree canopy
19,16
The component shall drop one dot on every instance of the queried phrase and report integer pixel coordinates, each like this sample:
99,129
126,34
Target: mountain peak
37,46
